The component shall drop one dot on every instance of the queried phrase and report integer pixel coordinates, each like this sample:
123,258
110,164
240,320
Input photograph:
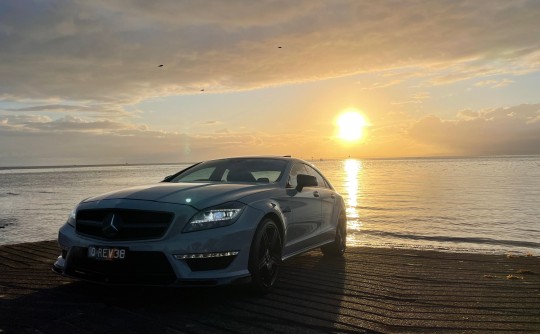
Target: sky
81,81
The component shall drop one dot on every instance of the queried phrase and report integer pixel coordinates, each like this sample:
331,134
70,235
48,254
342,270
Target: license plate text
105,253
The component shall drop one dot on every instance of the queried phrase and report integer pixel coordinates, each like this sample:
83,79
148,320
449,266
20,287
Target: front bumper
203,258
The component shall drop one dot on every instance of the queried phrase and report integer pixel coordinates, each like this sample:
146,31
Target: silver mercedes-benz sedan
217,222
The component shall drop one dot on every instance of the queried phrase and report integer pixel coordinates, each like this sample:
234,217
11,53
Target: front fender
269,206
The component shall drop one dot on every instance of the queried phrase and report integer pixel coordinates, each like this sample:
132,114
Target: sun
351,126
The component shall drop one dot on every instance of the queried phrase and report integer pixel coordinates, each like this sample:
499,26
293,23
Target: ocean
480,204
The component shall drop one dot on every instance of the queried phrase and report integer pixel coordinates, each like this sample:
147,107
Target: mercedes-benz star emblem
111,224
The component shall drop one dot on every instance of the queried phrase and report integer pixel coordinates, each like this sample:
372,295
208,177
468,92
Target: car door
328,212
303,211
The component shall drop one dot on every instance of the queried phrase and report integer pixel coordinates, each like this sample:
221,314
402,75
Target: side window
266,176
320,179
296,169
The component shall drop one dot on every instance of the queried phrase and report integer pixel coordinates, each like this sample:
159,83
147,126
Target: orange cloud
513,130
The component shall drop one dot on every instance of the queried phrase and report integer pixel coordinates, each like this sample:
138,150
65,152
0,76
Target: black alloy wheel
339,245
265,256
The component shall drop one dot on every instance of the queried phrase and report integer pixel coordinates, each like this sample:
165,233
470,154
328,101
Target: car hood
198,195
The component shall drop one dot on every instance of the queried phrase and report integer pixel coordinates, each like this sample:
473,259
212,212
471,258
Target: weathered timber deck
370,290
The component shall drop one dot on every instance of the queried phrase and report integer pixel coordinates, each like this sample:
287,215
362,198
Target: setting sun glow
351,126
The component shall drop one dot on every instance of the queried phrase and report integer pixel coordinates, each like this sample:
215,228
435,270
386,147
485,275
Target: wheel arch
272,209
279,223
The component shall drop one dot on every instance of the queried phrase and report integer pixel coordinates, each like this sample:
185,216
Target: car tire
339,245
265,257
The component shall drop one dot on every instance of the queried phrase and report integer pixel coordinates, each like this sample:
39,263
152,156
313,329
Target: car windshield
237,170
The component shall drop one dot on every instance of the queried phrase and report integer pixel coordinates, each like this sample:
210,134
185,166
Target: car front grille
146,268
122,224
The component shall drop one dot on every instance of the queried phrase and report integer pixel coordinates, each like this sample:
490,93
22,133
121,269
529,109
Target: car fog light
205,255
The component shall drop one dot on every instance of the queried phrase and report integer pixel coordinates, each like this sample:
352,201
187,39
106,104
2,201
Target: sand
369,290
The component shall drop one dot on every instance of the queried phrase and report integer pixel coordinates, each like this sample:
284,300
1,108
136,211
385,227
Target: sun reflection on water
352,170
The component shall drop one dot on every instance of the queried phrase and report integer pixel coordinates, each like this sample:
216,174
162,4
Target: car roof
276,157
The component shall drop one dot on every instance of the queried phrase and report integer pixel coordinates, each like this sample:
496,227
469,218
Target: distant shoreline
97,165
313,159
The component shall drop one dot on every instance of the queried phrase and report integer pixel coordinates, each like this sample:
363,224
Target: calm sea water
488,204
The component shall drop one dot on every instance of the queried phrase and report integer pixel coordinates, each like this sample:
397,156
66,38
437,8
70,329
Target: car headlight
220,216
72,217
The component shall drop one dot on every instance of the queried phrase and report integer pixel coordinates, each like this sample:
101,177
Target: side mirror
303,180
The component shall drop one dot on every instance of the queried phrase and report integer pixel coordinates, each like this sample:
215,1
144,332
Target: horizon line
310,160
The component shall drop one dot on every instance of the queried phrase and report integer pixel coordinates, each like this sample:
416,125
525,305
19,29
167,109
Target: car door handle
316,193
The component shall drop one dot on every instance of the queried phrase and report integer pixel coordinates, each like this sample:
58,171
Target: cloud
513,130
52,107
103,112
84,141
384,84
494,83
468,114
110,110
392,77
416,98
39,123
108,51
210,123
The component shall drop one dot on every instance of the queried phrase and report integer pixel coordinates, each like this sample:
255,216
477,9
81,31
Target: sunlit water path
488,205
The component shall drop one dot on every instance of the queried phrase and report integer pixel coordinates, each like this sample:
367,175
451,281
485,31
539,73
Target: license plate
107,253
